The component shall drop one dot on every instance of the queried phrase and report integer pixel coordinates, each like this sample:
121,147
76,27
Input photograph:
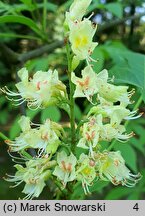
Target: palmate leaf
115,8
131,69
98,56
128,67
95,4
138,141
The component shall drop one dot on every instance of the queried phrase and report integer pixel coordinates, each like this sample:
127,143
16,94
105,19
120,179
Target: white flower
42,90
77,11
111,167
116,113
85,86
33,175
81,36
90,133
65,171
45,138
109,132
86,172
110,92
92,83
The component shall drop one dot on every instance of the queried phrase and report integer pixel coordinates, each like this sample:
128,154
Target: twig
39,51
9,54
118,22
14,57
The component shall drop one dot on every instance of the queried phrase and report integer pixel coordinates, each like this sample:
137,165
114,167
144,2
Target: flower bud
77,11
75,63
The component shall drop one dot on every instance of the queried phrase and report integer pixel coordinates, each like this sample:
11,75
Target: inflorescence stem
71,85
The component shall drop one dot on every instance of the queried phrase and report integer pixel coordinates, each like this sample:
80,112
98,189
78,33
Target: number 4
136,207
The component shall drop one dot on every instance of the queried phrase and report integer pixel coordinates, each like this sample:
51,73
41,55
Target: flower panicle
105,120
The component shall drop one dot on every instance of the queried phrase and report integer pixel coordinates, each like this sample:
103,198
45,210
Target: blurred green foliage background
31,35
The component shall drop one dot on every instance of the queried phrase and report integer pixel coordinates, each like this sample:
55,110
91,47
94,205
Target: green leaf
138,144
32,113
37,64
128,154
78,113
12,35
98,55
16,8
51,112
67,4
128,67
22,20
2,97
15,129
3,116
98,186
27,2
95,5
138,141
4,7
115,8
118,193
49,6
134,196
78,193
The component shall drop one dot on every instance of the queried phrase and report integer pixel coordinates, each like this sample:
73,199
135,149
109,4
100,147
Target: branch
40,51
118,22
9,54
15,58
